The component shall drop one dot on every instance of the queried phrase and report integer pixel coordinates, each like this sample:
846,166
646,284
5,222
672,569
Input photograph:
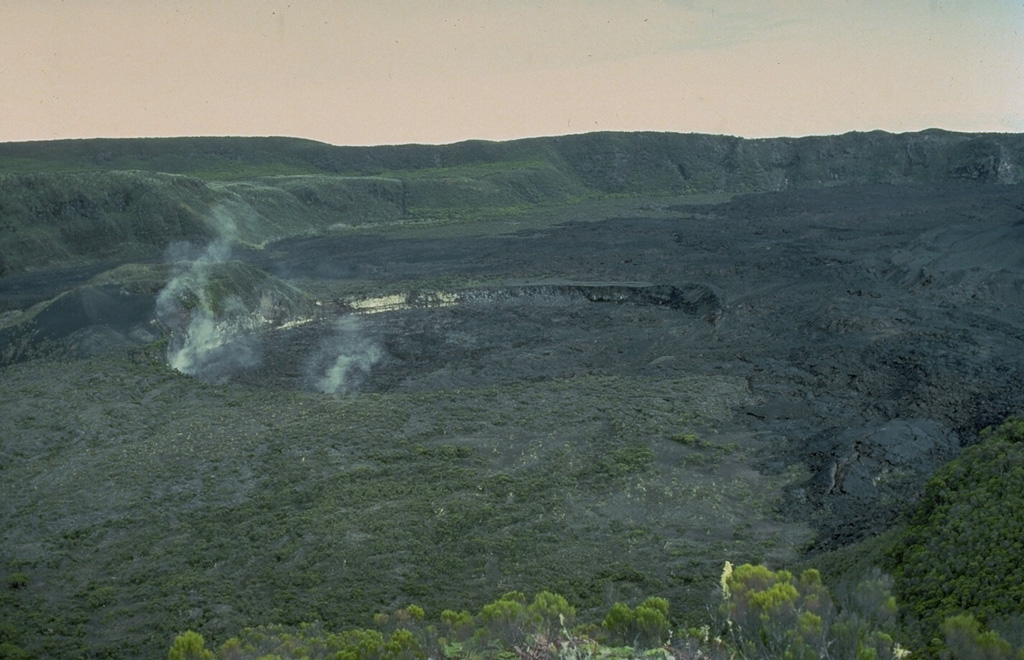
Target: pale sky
436,71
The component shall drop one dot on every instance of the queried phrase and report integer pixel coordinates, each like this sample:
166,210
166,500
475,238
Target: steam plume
207,336
343,359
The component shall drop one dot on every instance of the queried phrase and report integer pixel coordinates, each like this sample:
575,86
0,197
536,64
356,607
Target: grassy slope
142,502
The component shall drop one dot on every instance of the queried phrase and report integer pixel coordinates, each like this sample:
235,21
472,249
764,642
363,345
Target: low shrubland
139,501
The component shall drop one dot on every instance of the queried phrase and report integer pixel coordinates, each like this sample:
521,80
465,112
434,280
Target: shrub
772,614
647,626
651,622
360,644
17,581
10,651
189,645
459,625
618,623
966,640
402,646
504,620
550,612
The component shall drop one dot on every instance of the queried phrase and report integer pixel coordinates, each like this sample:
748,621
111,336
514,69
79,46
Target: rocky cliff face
703,163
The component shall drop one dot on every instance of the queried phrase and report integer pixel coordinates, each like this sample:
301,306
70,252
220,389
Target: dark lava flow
878,327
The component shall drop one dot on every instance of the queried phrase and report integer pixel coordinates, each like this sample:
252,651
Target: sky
355,72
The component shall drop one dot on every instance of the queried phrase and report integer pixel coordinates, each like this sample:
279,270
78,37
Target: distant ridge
616,161
72,202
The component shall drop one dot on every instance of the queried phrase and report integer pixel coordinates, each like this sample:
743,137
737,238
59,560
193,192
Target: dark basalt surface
877,326
845,308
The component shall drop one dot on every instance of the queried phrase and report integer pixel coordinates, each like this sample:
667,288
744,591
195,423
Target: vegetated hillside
49,219
955,554
69,202
962,548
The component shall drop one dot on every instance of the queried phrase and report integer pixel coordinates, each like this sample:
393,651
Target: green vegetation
760,614
298,507
189,646
965,639
171,504
960,553
52,219
611,162
220,285
647,625
757,613
208,158
773,614
955,558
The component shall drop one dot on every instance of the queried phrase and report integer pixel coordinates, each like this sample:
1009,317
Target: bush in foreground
762,614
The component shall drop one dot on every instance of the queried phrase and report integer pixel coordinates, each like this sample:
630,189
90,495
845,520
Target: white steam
207,340
343,360
213,334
